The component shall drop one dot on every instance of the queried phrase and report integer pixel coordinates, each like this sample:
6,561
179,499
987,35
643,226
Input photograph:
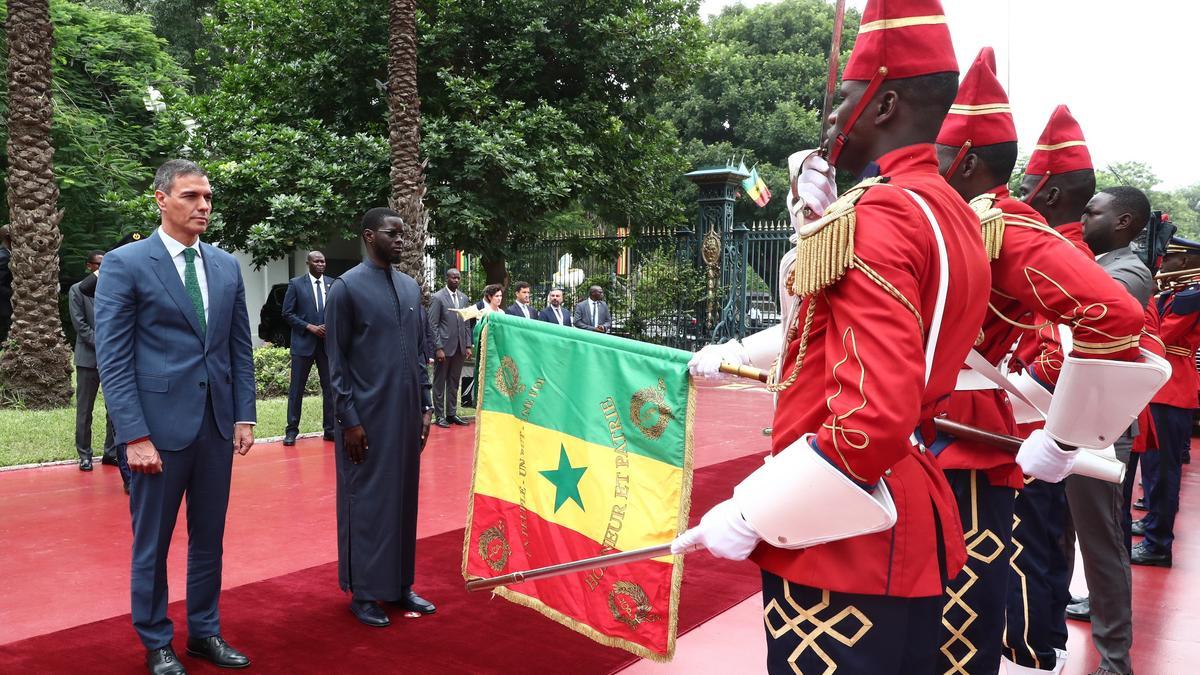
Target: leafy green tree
295,133
107,143
529,108
758,93
1179,204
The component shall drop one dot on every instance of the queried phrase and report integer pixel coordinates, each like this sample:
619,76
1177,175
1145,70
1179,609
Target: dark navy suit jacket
156,364
547,314
300,309
515,310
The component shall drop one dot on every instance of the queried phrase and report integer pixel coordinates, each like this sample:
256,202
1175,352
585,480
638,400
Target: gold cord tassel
823,257
825,249
991,221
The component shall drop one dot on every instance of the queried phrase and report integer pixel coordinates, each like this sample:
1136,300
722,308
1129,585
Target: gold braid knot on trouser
847,626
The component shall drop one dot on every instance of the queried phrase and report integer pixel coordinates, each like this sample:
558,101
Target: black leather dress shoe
216,650
411,602
328,436
369,612
1138,528
1144,555
289,439
442,422
164,662
108,460
455,419
1080,611
85,464
1140,504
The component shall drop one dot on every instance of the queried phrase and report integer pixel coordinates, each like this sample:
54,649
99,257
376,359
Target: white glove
707,361
723,531
1043,458
815,187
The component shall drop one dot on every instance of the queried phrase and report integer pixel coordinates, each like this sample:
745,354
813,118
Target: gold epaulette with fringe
825,249
991,222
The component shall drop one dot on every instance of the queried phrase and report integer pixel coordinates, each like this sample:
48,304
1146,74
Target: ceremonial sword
831,79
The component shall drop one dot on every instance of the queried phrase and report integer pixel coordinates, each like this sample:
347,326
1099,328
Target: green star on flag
565,480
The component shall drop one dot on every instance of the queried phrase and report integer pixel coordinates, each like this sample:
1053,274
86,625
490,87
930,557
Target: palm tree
404,135
36,365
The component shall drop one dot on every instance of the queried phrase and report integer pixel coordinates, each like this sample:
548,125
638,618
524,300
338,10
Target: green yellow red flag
583,447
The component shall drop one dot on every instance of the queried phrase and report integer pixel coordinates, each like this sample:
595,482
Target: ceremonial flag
755,187
764,193
583,447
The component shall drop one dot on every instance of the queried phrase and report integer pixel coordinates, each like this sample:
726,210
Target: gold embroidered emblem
493,547
649,410
508,378
630,605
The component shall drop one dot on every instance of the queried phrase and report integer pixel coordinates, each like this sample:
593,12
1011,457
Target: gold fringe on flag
825,249
991,221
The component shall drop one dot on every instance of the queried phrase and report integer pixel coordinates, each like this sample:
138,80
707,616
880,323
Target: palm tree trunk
36,365
404,136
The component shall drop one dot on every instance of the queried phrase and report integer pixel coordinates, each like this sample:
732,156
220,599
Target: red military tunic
861,385
1039,276
1180,334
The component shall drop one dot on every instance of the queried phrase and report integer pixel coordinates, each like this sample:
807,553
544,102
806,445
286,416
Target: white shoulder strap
939,309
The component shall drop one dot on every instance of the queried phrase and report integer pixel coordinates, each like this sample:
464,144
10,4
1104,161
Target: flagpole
560,569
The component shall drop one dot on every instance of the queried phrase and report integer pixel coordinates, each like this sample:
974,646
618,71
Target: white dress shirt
525,309
318,295
557,314
175,250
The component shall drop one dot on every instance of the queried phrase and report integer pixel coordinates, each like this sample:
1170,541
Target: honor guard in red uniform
851,520
1177,310
1037,276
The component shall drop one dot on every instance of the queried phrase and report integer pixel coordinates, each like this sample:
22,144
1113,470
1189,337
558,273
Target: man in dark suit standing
452,347
592,313
304,311
174,350
555,312
87,377
522,307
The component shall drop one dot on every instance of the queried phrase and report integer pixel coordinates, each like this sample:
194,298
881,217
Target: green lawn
47,435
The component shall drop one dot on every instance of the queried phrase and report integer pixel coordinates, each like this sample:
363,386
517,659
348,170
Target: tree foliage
107,144
1180,204
759,92
294,133
529,108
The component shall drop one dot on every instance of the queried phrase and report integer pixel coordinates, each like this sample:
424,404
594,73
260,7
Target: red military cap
908,37
896,39
980,114
1060,148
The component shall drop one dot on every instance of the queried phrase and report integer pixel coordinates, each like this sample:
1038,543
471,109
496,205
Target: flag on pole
571,465
755,187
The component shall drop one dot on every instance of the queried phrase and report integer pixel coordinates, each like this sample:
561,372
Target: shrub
273,373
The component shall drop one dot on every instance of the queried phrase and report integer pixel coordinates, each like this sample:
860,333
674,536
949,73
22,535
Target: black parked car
271,326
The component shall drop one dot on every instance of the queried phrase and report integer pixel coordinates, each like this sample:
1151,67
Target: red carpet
299,622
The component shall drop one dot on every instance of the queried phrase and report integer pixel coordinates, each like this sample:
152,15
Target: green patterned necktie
192,284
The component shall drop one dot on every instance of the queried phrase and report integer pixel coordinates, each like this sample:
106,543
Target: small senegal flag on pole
755,187
583,447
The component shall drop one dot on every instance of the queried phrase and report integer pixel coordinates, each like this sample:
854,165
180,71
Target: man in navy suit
173,345
522,307
304,310
555,312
